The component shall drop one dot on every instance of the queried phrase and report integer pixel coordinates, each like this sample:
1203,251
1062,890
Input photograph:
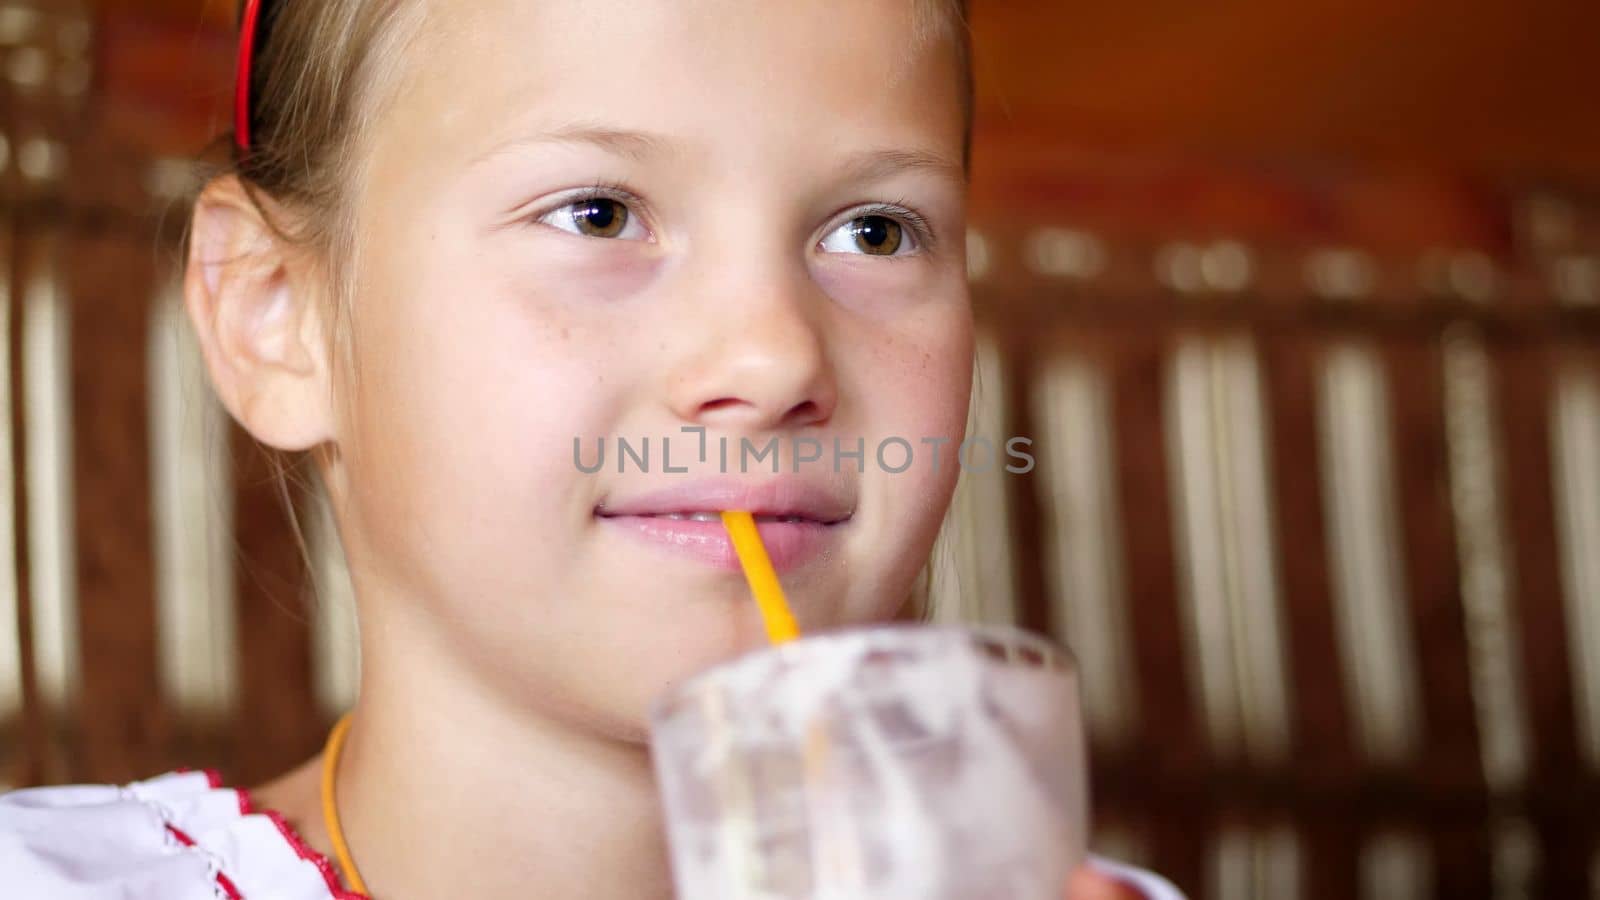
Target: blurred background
1299,302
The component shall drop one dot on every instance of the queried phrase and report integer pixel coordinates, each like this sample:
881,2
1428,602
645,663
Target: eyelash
600,190
921,228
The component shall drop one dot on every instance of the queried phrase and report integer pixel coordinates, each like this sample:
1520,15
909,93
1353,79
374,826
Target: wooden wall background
1300,303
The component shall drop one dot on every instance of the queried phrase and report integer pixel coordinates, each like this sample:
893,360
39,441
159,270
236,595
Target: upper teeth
714,517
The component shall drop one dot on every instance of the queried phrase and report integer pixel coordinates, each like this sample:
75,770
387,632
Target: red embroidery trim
241,86
247,807
315,858
213,777
228,890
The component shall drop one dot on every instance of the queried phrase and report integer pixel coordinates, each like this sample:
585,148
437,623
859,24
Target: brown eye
599,217
876,235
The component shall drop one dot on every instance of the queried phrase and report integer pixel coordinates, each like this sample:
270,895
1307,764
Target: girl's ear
256,303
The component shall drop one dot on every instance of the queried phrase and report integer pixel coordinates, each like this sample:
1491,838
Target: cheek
913,383
578,277
907,339
472,389
886,290
913,376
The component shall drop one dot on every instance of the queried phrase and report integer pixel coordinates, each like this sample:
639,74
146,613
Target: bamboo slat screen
155,607
1317,509
1317,500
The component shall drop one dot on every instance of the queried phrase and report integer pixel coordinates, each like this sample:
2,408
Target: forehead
787,80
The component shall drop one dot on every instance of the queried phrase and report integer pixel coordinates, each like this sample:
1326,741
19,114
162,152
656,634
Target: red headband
241,89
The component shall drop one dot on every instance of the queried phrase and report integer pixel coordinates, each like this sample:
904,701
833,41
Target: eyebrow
640,146
877,164
635,145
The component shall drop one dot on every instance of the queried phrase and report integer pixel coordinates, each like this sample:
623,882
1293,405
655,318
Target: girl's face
602,221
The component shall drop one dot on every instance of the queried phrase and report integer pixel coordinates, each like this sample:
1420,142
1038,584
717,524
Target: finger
1087,884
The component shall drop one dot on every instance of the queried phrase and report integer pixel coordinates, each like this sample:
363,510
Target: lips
794,498
717,517
799,521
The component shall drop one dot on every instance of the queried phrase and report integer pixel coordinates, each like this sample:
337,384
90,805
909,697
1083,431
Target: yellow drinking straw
837,853
758,571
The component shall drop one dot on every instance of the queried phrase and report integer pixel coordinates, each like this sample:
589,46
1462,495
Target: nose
757,357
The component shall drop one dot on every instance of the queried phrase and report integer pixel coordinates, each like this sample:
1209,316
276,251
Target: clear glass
904,762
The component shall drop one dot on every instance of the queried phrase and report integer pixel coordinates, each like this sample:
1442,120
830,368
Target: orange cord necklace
330,809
